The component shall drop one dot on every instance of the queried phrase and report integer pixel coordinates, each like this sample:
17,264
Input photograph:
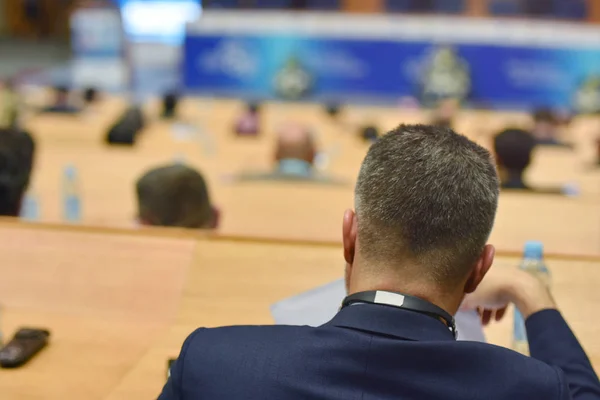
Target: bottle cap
534,249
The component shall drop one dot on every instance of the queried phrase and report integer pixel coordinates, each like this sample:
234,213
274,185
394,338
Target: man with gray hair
426,199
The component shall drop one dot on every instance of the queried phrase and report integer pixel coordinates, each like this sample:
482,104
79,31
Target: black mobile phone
26,343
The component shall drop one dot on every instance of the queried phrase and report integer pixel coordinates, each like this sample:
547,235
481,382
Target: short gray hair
429,195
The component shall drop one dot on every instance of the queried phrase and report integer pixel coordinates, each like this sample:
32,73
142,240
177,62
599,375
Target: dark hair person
16,163
514,151
177,196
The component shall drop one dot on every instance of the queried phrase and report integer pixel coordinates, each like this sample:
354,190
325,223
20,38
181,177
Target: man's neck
426,291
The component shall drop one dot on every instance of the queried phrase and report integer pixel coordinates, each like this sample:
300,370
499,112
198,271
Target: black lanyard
404,301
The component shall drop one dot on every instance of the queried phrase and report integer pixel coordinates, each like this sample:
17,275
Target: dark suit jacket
379,352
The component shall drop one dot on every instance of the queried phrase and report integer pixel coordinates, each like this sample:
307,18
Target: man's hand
502,286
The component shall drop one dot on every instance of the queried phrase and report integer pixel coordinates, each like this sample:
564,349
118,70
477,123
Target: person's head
175,195
544,115
61,95
545,123
425,203
513,149
170,103
90,95
332,109
16,163
369,133
253,107
446,110
295,141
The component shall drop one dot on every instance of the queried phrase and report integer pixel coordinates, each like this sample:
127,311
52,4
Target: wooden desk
233,282
280,210
104,296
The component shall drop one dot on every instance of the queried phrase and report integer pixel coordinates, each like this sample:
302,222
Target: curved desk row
120,302
302,212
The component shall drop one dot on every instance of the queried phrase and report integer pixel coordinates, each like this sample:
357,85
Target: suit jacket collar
391,321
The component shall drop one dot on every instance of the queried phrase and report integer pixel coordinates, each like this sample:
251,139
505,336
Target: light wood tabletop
298,211
105,297
235,282
120,303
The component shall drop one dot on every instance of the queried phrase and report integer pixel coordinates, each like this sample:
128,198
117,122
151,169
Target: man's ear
349,230
482,266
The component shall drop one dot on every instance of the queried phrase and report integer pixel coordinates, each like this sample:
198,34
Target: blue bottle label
72,209
519,332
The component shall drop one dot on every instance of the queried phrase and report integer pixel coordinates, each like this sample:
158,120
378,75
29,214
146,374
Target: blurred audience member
170,103
369,133
295,151
17,150
61,103
513,148
9,106
295,156
547,127
90,96
125,129
445,112
177,196
249,123
333,109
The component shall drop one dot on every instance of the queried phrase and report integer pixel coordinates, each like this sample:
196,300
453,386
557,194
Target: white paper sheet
319,305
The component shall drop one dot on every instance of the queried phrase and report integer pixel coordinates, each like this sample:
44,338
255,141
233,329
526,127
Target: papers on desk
319,305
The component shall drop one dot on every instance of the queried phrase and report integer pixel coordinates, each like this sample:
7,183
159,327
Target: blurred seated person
9,105
248,123
514,148
90,96
61,102
295,155
175,196
17,150
295,152
547,128
445,112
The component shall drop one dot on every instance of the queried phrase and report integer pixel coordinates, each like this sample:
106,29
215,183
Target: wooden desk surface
254,275
277,210
104,297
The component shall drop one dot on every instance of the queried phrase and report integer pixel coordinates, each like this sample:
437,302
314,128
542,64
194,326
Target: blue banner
313,68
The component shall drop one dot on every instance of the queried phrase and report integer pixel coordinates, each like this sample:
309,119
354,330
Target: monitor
161,21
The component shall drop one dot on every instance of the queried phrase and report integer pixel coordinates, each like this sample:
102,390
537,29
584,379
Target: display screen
158,20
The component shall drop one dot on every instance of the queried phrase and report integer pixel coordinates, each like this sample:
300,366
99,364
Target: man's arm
173,388
550,338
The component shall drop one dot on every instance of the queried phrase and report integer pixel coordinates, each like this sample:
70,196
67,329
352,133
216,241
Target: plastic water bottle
71,195
30,209
533,262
